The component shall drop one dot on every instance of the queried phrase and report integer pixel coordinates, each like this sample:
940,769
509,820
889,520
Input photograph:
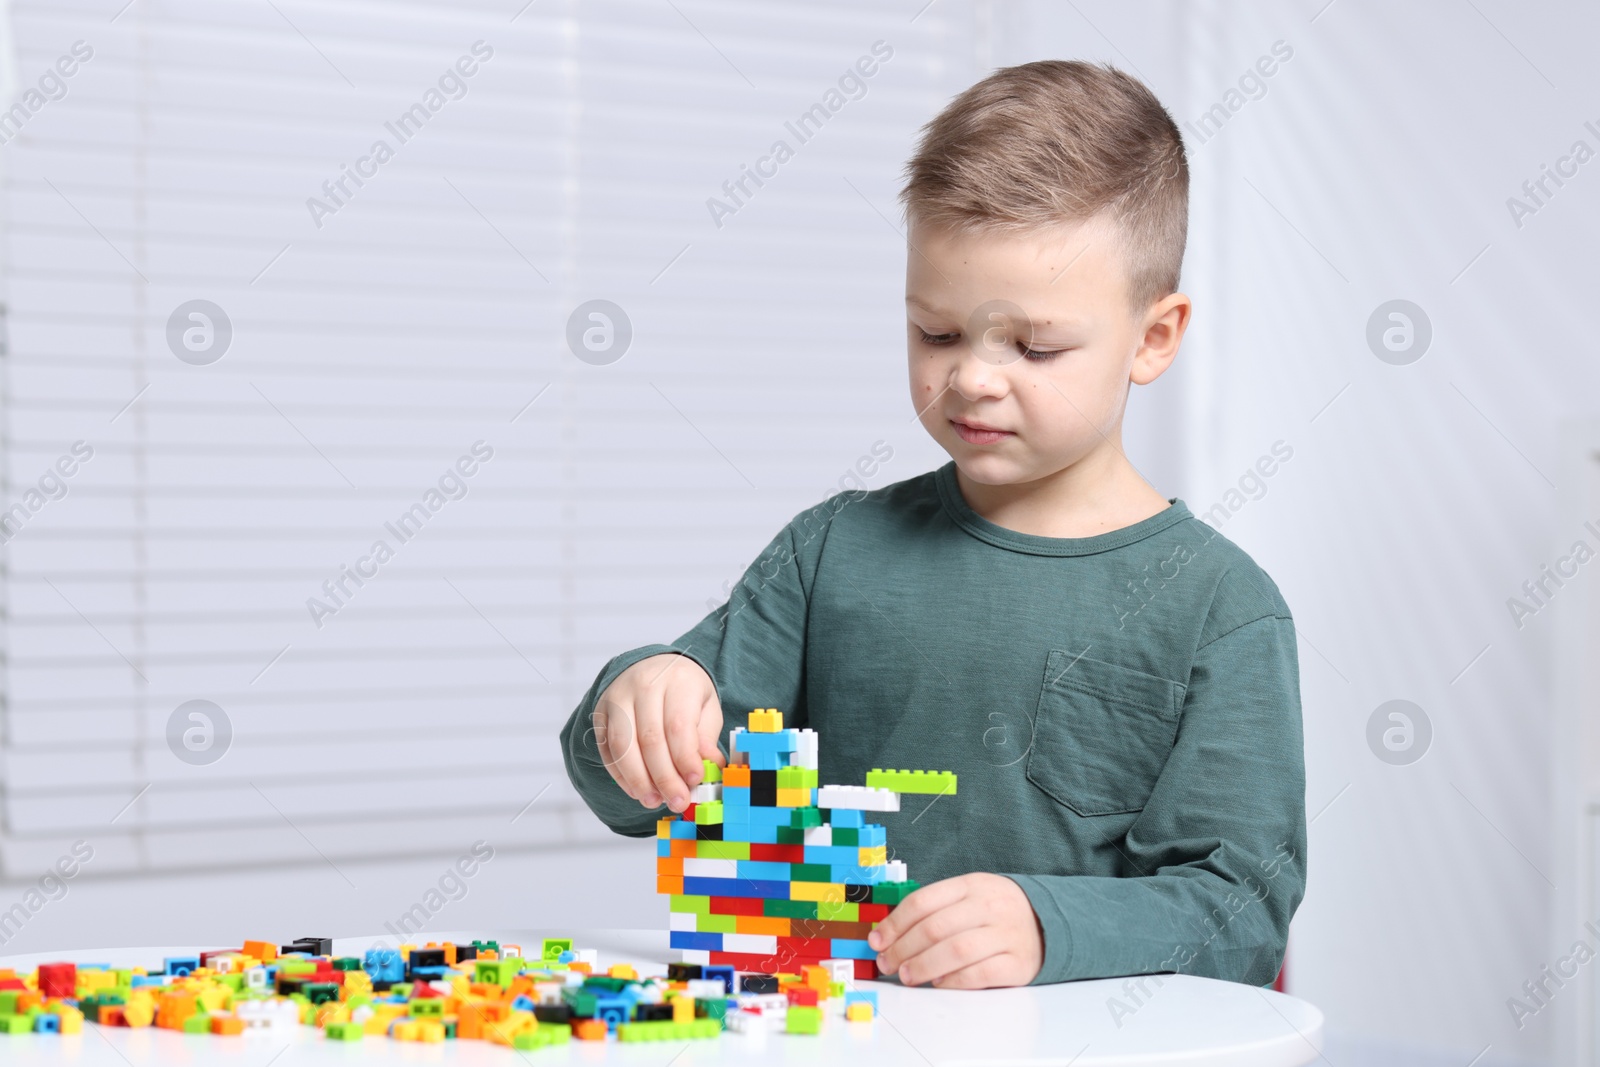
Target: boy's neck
1100,493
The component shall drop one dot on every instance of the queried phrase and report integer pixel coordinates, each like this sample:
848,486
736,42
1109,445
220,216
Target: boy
1115,683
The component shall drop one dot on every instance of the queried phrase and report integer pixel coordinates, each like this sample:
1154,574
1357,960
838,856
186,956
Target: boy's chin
992,470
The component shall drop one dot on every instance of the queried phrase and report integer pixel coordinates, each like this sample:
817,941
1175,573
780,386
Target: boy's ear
1164,326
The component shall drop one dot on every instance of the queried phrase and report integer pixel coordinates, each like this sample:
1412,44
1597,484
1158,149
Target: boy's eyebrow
1068,324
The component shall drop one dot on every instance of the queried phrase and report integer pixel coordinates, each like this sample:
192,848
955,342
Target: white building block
735,757
705,988
762,944
705,792
695,867
897,870
842,971
695,955
682,921
805,755
819,835
857,798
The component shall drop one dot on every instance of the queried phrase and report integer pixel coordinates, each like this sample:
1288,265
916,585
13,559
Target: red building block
58,979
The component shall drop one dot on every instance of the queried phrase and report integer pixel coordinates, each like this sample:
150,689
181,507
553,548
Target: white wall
1376,166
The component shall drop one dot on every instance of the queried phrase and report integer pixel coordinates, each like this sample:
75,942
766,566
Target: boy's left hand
976,931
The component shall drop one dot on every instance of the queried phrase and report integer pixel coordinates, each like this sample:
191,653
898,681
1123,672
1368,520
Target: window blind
263,347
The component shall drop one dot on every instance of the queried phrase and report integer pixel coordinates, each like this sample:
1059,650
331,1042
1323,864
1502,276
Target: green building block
347,963
797,778
892,892
8,1001
344,1031
800,1019
711,1008
717,924
296,967
542,1036
686,905
667,1030
792,835
941,782
551,948
846,835
804,819
789,909
321,992
722,850
810,872
427,1008
841,912
198,1023
495,972
16,1024
711,772
708,814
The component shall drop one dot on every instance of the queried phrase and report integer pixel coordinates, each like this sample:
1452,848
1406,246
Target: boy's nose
975,373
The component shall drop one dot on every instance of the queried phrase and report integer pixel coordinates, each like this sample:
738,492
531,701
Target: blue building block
719,972
381,965
852,950
613,1010
180,965
844,818
733,830
845,855
692,940
784,741
766,761
872,835
47,1023
682,831
735,887
663,846
857,996
147,979
857,875
763,870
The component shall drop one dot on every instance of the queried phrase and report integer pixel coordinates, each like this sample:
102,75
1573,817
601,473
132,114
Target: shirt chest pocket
1102,734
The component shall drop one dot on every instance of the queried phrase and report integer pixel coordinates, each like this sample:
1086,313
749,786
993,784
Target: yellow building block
795,798
623,970
859,1012
874,857
765,721
664,827
829,892
683,1009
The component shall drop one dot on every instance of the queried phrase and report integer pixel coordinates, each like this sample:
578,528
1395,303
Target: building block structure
771,873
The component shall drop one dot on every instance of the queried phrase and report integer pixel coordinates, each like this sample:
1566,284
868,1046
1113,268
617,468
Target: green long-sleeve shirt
1122,710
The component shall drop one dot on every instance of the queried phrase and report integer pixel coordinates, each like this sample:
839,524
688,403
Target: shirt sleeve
1216,861
753,647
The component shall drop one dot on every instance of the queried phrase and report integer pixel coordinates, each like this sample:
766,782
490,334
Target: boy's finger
972,945
939,925
650,727
614,735
912,910
682,722
997,970
711,731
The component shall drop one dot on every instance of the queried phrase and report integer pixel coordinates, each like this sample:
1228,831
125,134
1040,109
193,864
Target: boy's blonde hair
1055,142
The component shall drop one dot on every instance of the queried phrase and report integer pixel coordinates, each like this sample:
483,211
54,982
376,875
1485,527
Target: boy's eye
1036,355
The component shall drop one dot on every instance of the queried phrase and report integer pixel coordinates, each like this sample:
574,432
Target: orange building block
589,1030
761,924
669,866
265,951
674,886
227,1024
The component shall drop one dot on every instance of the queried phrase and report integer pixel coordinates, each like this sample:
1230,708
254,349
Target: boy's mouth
979,434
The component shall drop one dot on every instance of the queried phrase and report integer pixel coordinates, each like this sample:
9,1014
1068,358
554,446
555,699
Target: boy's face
1022,347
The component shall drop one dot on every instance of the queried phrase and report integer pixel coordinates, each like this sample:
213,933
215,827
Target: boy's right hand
654,724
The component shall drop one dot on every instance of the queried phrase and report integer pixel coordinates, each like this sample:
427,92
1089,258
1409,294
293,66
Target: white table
1197,1022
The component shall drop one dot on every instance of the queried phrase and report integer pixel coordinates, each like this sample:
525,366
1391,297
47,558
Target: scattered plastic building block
939,782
